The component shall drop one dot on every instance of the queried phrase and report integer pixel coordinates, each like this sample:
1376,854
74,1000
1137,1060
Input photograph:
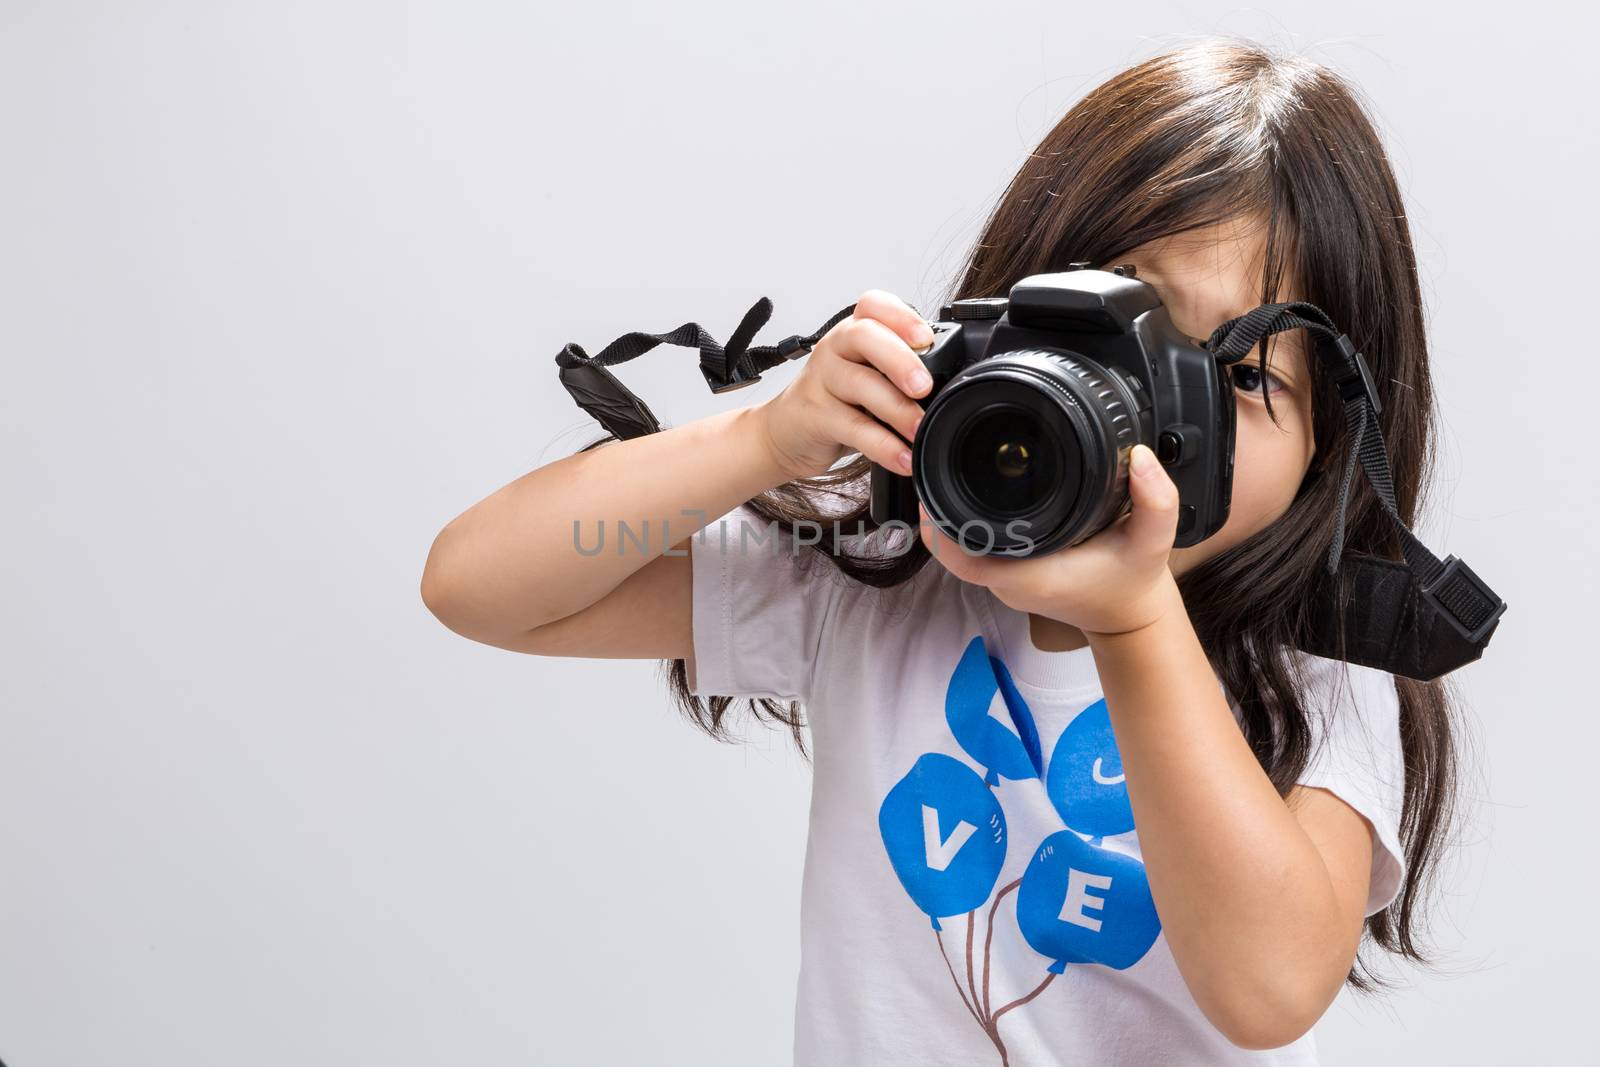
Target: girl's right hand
865,364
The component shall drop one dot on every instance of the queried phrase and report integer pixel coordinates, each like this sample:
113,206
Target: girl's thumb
1154,520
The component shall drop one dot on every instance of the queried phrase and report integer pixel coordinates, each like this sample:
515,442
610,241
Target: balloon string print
981,1014
972,985
988,938
946,835
939,936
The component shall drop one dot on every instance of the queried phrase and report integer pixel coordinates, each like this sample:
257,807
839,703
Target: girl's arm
508,572
1261,900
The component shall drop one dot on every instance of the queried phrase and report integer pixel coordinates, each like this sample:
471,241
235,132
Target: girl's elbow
1258,1022
1259,1034
454,594
436,596
441,602
441,590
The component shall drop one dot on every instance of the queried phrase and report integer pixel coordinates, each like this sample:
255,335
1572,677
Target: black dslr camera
1037,401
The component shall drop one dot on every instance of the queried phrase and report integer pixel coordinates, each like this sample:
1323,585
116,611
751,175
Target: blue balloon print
1021,717
945,834
1085,780
1009,748
1082,904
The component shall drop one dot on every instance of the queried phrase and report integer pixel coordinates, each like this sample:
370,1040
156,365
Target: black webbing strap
1468,602
724,367
1387,609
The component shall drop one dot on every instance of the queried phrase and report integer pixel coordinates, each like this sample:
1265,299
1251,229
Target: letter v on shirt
974,890
940,853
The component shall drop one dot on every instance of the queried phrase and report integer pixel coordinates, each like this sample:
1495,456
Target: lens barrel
1027,451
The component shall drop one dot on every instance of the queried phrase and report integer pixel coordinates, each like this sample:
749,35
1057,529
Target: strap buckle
793,347
736,379
1464,600
1355,380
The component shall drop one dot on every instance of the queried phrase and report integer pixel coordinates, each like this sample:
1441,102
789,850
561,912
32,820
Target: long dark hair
1207,133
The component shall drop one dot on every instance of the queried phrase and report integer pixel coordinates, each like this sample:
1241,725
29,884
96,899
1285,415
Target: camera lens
1006,461
1025,452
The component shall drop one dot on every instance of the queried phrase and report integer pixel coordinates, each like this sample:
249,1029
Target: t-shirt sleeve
761,609
1354,716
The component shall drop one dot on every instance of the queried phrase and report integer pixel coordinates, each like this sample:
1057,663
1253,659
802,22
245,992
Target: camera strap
1420,618
724,367
1423,618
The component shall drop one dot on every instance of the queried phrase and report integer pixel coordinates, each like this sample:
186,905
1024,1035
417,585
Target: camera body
1038,399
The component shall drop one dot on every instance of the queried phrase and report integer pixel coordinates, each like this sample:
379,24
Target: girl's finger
857,430
969,567
896,314
870,341
1153,523
857,383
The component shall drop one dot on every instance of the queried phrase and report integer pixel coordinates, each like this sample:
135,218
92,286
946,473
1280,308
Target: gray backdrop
280,286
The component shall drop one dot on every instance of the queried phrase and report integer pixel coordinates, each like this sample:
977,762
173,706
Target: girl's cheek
1270,460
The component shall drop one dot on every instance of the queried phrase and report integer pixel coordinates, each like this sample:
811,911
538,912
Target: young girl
1092,806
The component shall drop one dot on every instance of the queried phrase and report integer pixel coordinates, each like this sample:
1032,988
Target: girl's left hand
1116,581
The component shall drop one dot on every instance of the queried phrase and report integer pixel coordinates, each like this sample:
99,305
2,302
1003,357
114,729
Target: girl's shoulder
768,606
1356,752
889,670
1331,687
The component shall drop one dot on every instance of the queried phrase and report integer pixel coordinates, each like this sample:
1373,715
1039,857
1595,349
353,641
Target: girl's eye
1247,378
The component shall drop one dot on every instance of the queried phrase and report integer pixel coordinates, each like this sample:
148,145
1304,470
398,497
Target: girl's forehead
1216,268
1208,275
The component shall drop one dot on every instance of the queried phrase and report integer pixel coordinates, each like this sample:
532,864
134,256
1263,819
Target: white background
280,289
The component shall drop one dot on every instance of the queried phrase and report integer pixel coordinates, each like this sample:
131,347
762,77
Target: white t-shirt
971,842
